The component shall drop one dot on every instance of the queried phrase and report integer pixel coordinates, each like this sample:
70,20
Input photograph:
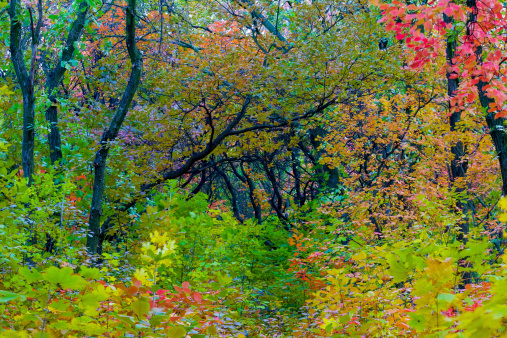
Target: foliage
253,169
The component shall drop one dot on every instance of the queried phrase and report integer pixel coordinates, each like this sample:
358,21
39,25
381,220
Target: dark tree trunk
232,191
299,198
459,164
251,189
54,78
495,125
114,127
25,81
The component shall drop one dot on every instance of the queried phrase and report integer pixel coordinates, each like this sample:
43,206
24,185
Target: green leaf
6,296
176,332
417,321
141,307
397,270
344,319
30,276
64,277
445,297
127,320
61,305
90,273
156,320
92,300
224,279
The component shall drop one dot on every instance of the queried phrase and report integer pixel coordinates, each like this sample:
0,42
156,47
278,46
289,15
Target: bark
498,135
25,81
299,198
251,189
459,164
199,186
276,197
495,125
54,78
212,145
259,17
112,132
234,196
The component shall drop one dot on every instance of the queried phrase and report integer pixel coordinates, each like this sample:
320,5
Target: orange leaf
402,325
132,290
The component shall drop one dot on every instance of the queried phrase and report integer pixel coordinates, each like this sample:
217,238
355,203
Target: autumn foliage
253,168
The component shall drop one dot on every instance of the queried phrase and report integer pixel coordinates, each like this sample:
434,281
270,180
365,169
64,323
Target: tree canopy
246,168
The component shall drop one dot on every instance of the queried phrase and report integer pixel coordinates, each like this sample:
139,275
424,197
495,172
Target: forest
253,168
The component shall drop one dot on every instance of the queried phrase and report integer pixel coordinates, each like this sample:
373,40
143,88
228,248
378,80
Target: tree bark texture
25,81
495,125
54,78
112,132
459,165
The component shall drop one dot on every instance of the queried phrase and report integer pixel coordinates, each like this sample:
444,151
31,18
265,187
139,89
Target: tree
114,127
477,60
26,79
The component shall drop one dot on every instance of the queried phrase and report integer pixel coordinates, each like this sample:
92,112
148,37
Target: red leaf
498,115
161,292
197,297
448,11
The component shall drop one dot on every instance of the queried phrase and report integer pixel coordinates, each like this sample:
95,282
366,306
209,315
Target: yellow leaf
503,217
359,257
142,275
503,203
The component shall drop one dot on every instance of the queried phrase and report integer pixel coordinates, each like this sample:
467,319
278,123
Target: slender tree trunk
298,199
54,78
251,188
495,125
114,127
25,81
459,164
496,130
234,196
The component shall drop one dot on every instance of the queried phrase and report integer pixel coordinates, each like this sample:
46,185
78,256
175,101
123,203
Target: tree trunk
459,165
26,82
54,78
234,196
114,127
251,193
